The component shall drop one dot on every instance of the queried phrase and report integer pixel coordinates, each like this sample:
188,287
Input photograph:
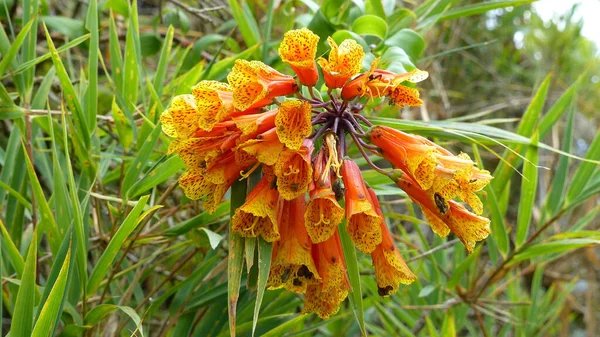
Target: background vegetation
98,240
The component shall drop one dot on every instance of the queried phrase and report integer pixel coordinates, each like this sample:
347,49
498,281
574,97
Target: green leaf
235,256
245,21
15,257
557,189
116,242
52,309
547,248
91,94
116,56
124,129
151,44
69,27
282,329
213,238
370,25
499,232
163,62
99,312
140,161
132,61
157,176
355,297
584,172
72,100
265,250
528,193
22,318
8,58
410,41
48,223
530,119
460,270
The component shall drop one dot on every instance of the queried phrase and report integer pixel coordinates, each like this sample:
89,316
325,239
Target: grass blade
91,94
115,244
8,58
235,256
528,192
22,318
52,309
355,297
264,265
584,171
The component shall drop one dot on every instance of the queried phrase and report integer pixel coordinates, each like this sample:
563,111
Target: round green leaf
409,40
370,25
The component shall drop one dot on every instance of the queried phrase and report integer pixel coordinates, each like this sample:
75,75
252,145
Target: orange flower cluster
225,131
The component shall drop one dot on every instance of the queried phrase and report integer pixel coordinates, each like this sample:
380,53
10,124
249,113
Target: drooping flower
323,213
294,170
292,264
390,268
258,215
324,298
362,219
344,62
181,118
468,227
266,147
256,84
298,49
214,102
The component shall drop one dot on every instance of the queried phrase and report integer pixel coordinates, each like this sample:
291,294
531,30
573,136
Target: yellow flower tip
390,270
258,217
293,122
324,298
294,171
181,118
468,227
404,96
344,62
194,184
298,49
256,84
293,266
214,103
213,200
323,215
166,122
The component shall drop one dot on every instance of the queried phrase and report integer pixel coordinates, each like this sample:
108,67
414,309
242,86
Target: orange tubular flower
293,266
379,83
344,62
412,154
468,227
298,49
294,171
258,215
254,82
323,213
293,123
363,221
390,267
324,298
181,118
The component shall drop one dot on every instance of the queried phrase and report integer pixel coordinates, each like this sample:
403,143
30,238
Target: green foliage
96,235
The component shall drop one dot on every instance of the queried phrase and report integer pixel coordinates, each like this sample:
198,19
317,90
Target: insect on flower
299,148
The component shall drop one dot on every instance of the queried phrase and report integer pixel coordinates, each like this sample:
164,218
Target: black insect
440,202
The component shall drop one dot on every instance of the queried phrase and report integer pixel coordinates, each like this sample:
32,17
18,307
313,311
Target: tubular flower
324,298
468,227
323,213
390,267
298,49
298,151
293,266
258,215
379,83
294,171
363,221
254,82
293,123
344,62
